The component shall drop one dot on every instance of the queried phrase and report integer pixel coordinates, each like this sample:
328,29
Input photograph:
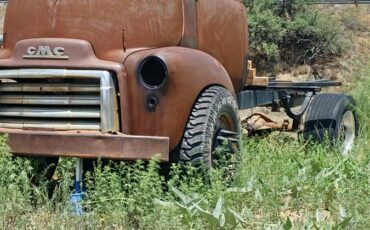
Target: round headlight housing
153,72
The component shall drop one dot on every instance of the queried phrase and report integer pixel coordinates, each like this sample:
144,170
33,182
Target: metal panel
190,33
84,144
252,98
318,83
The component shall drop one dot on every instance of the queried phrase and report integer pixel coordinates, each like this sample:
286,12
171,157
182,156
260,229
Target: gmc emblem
44,52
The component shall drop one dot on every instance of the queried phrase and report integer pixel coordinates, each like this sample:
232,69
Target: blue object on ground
76,201
79,192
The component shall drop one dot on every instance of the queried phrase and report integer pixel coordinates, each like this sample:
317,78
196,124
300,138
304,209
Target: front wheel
213,124
333,116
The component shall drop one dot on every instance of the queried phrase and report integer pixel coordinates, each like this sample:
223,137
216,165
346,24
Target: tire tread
193,147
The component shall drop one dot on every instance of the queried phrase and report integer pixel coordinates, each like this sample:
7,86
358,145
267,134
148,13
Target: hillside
356,22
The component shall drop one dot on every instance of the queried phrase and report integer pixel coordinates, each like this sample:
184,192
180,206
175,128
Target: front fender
190,72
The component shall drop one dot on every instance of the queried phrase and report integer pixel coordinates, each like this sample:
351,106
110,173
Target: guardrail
333,2
338,2
317,2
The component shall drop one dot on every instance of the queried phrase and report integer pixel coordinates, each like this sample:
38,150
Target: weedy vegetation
280,183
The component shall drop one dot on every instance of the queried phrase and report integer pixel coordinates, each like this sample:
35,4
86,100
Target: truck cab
83,78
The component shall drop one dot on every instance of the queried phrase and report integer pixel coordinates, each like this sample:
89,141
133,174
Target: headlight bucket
153,72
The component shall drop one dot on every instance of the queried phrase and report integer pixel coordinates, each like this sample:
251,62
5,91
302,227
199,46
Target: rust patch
87,145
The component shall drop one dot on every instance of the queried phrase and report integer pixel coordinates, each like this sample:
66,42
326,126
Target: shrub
312,37
294,32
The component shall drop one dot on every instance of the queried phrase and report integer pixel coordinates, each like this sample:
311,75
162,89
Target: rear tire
215,111
332,116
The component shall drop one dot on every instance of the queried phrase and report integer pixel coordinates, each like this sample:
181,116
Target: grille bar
54,125
51,73
48,88
47,100
49,112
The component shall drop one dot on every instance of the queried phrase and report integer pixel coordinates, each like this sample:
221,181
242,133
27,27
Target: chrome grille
58,99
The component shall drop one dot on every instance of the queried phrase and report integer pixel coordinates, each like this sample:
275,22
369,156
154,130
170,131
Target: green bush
266,30
293,32
312,37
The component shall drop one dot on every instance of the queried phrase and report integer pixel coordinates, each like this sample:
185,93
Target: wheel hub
225,134
347,133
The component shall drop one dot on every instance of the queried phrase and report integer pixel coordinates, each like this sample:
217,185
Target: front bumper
86,144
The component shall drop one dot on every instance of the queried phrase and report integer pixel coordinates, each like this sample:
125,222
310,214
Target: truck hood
111,26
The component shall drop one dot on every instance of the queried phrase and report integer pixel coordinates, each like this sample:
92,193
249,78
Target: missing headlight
153,72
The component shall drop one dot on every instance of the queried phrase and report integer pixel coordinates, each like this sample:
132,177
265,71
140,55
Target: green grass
281,183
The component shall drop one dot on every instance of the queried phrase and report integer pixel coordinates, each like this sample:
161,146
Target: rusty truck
129,80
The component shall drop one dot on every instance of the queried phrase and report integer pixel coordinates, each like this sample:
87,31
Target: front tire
215,113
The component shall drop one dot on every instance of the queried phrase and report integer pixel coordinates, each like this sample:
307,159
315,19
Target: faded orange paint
112,25
222,33
104,23
117,35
